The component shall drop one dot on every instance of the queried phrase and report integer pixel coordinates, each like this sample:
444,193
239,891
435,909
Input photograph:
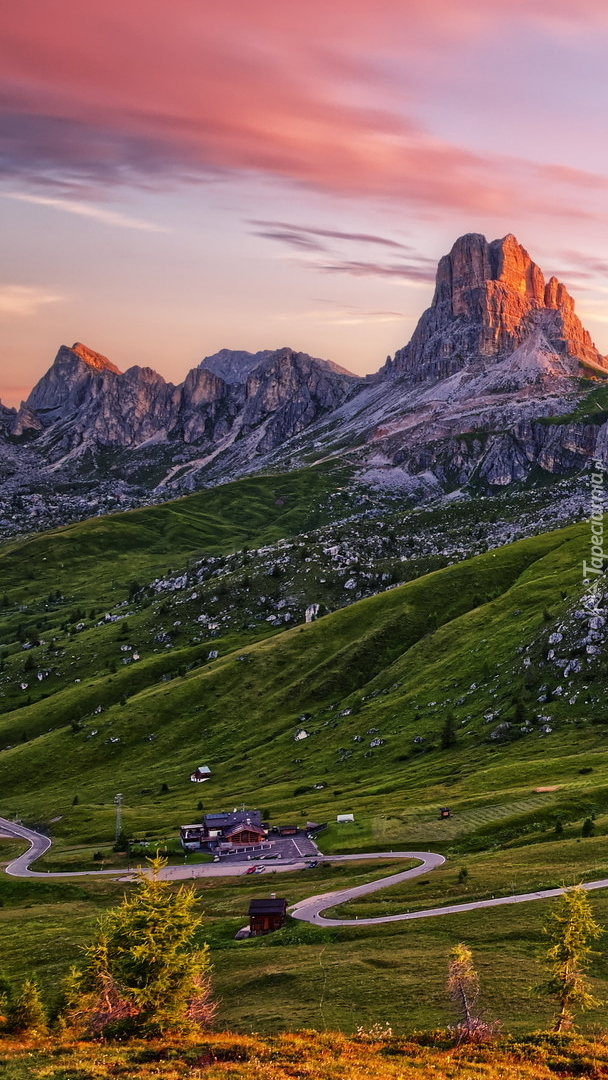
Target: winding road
307,910
39,844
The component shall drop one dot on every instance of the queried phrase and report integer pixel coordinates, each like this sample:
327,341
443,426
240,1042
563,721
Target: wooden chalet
217,832
244,833
265,916
200,774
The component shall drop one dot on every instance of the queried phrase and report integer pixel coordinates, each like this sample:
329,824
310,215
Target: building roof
241,826
276,906
234,817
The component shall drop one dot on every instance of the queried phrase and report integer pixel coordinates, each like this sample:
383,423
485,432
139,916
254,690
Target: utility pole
118,804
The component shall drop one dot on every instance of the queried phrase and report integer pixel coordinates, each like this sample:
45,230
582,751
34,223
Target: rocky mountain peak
69,381
490,299
474,263
94,359
234,365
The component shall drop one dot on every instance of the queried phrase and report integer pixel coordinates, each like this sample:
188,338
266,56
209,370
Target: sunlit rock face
490,299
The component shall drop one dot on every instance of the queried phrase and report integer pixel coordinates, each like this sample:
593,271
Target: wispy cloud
584,265
17,301
306,236
345,315
410,267
163,101
421,272
294,238
97,213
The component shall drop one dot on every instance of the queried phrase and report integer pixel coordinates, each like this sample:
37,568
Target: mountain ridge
484,393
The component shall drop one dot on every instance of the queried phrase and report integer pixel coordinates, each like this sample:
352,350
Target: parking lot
286,849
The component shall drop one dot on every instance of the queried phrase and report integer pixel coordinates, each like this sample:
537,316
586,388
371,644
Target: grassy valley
440,690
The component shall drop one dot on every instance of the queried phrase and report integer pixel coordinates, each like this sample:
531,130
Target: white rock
311,613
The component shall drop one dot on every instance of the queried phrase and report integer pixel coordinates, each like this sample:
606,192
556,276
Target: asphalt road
38,845
310,910
306,910
293,857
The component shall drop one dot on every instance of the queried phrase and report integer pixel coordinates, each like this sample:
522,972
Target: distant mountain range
499,380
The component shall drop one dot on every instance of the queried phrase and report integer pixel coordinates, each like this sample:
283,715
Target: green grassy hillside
91,560
386,670
403,698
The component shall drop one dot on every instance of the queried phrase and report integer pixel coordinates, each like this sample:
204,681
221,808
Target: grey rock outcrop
25,422
85,401
76,376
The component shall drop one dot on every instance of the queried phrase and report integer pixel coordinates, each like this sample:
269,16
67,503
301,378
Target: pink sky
182,176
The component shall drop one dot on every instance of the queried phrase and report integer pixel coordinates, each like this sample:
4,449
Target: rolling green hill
91,560
370,684
434,692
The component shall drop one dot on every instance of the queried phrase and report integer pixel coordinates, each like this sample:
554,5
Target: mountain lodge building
218,832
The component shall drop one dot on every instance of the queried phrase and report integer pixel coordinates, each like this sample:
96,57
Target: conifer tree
463,987
6,996
448,732
144,972
26,1013
570,927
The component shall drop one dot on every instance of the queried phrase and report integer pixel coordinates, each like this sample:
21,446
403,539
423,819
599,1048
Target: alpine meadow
304,646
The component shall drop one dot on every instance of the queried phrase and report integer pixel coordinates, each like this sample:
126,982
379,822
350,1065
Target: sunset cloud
304,234
415,269
411,272
23,301
96,213
584,263
178,92
338,148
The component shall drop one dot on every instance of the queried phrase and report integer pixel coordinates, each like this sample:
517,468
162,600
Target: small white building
202,773
342,819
